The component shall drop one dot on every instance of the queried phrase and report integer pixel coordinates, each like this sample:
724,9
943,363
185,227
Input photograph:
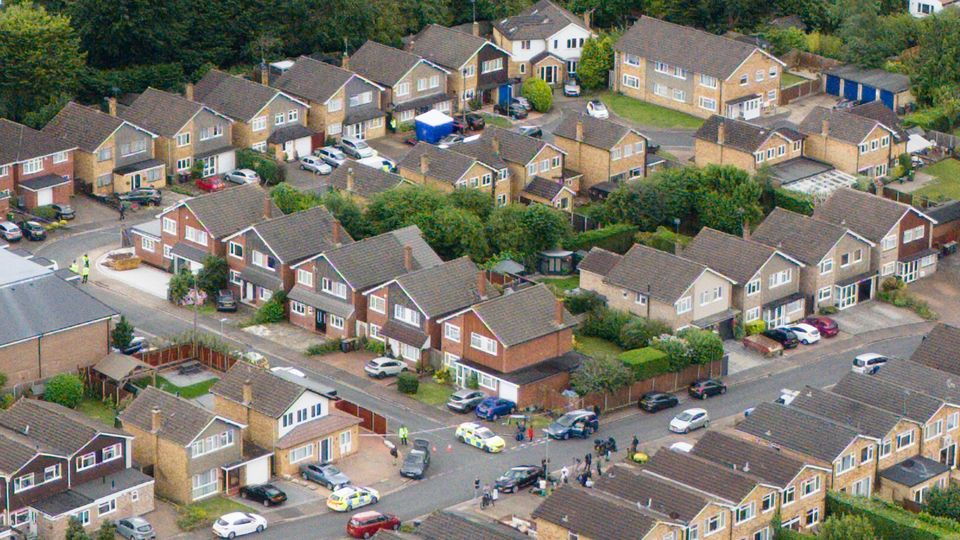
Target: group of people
489,496
82,268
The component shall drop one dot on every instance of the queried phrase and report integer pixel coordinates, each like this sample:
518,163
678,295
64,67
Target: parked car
690,420
786,396
681,446
142,196
807,334
450,140
356,148
580,423
379,162
656,401
32,230
530,131
384,367
465,400
571,87
10,232
239,524
137,344
597,109
242,176
784,337
521,101
827,326
518,478
493,408
265,494
315,165
324,474
136,528
471,121
331,155
226,300
417,460
211,184
352,497
480,436
366,524
705,388
64,211
869,363
514,111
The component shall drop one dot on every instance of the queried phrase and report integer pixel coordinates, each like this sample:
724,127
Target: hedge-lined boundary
892,522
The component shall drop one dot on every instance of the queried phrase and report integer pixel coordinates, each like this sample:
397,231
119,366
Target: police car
476,435
351,497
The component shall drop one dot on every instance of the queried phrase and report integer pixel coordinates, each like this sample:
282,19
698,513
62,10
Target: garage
867,85
45,190
295,141
258,470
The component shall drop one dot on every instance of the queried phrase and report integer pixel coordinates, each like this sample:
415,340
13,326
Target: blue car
493,408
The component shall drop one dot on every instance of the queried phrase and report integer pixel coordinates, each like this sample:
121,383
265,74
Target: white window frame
183,139
305,277
824,293
753,287
258,124
335,105
196,236
805,488
684,305
335,321
909,436
708,81
788,496
406,315
781,278
932,430
752,314
111,507
886,447
83,517
630,81
18,483
842,468
403,89
83,463
305,452
631,60
201,490
235,250
744,513
335,288
148,244
293,115
112,452
770,501
377,304
56,473
60,157
483,344
451,332
888,268
708,104
235,278
298,307
953,420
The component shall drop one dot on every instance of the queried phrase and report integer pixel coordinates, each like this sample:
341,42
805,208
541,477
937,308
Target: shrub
944,502
408,383
45,212
538,93
65,389
474,104
473,381
645,363
676,349
193,517
121,336
605,323
638,332
892,284
597,375
3,380
617,238
755,327
272,310
75,530
800,203
405,127
846,527
107,531
891,521
705,346
266,166
829,310
582,302
179,286
443,376
214,275
327,347
378,348
663,239
7,400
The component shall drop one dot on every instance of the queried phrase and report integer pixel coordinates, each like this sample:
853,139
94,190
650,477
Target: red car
366,524
827,326
211,184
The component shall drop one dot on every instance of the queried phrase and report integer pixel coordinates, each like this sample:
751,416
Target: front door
249,292
948,455
776,317
548,74
135,181
326,450
909,271
864,290
356,131
846,296
321,321
288,151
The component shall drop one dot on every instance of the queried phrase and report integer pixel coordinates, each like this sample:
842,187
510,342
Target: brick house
57,463
694,71
191,453
838,270
293,420
938,349
767,280
328,296
921,378
265,119
35,165
519,345
414,303
901,234
446,169
854,141
113,155
340,103
478,68
361,182
691,294
570,513
910,480
194,228
187,132
726,141
947,227
439,524
605,152
261,257
412,85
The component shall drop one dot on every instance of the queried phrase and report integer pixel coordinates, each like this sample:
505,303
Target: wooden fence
369,420
808,61
179,353
799,90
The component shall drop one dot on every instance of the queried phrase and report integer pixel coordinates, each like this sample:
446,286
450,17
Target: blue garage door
833,85
868,94
850,90
887,98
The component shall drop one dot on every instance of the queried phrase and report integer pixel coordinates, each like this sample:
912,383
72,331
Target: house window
952,421
279,119
862,147
771,95
112,452
789,495
713,524
298,308
487,179
744,79
711,295
86,461
59,157
780,278
434,81
259,123
797,146
679,95
932,430
708,81
928,260
770,153
661,90
745,513
262,146
211,132
768,502
336,288
148,244
824,294
104,154
709,104
107,507
904,440
83,517
263,260
866,454
640,299
236,250
758,157
684,305
813,517
795,306
204,484
407,315
631,60
305,277
33,166
335,105
753,287
265,294
335,321
183,139
752,315
23,483
826,266
874,144
845,260
522,68
913,234
135,147
51,473
235,278
810,486
361,99
451,332
469,71
885,141
846,463
615,153
196,235
886,447
293,115
4,170
555,162
627,150
184,164
492,65
693,532
403,88
378,304
857,255
483,343
630,81
781,150
502,199
531,169
759,75
167,252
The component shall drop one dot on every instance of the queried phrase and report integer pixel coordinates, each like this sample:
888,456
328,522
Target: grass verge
948,180
597,347
432,393
648,114
187,392
496,120
788,79
561,285
202,514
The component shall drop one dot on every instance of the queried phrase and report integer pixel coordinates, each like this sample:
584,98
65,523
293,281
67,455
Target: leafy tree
3,380
505,230
272,310
704,346
75,530
847,527
214,275
677,351
539,93
348,213
603,374
290,199
142,31
664,239
944,502
179,286
453,232
41,60
639,332
547,227
65,389
107,531
122,334
860,32
727,198
596,61
419,13
938,66
606,13
476,202
399,207
638,203
526,230
783,40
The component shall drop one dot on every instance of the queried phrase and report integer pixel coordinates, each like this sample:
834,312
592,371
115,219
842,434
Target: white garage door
226,162
509,391
45,197
258,471
303,147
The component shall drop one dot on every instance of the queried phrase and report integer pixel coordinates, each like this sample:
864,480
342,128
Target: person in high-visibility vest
74,267
86,260
85,272
403,433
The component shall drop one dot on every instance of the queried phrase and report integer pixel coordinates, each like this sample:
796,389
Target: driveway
942,290
873,315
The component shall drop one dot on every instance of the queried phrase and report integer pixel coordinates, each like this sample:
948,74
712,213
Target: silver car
315,165
331,156
356,148
384,367
10,232
136,528
242,176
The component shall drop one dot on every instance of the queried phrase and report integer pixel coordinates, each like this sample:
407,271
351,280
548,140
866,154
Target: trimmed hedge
269,170
645,363
408,383
617,238
793,201
891,521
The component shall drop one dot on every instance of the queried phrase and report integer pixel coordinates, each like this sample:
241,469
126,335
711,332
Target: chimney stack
825,127
588,18
155,419
337,240
475,28
408,258
495,143
188,91
424,164
481,284
267,207
345,61
558,312
264,74
746,230
579,130
721,133
349,179
247,392
112,106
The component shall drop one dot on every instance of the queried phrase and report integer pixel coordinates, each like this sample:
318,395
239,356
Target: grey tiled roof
940,349
739,134
445,288
445,46
367,181
318,428
303,234
730,255
866,214
181,420
514,147
799,431
226,212
61,503
447,525
642,270
591,515
939,384
567,362
655,493
876,110
914,471
944,213
888,396
802,237
161,112
381,63
378,259
447,165
886,80
862,417
845,126
599,261
684,46
81,126
404,333
597,132
312,79
524,315
231,95
538,21
54,426
20,143
481,151
702,474
765,463
16,450
545,188
43,182
289,133
272,395
320,301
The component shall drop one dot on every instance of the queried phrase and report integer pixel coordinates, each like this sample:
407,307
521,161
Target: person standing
74,267
564,475
588,459
86,260
123,210
394,454
476,487
403,433
530,433
599,470
85,273
633,445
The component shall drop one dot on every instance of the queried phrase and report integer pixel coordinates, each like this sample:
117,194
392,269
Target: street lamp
223,320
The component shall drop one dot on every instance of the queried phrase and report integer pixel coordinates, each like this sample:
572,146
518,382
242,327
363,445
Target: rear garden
947,184
788,79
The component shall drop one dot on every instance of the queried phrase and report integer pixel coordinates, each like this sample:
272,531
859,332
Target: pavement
146,278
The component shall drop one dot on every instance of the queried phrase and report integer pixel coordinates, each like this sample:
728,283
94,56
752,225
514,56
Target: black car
530,131
579,423
705,388
471,122
143,196
465,400
32,230
416,462
515,111
226,300
784,337
64,211
137,344
518,478
656,401
266,494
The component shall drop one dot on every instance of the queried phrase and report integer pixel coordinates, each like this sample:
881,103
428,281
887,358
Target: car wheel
232,535
259,528
366,535
566,436
373,500
396,527
302,168
495,417
706,424
381,375
686,430
243,495
304,476
461,439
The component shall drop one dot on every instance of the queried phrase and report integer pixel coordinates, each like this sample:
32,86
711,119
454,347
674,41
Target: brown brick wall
261,429
801,505
48,529
61,352
760,519
282,457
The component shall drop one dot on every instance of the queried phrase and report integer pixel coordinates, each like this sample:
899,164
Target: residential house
690,294
694,71
407,310
191,452
291,418
447,170
112,155
328,296
478,68
57,464
195,228
605,152
570,513
921,378
412,85
947,227
518,345
52,326
187,132
361,182
923,8
908,482
767,280
939,349
441,524
37,166
802,486
544,41
837,262
728,141
901,234
341,103
262,256
849,454
854,141
265,119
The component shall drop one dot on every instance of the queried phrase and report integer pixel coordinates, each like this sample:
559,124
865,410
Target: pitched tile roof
272,395
802,237
545,188
16,450
538,21
378,259
163,113
445,288
482,151
312,79
444,164
83,127
655,493
591,515
445,46
730,255
446,525
685,47
20,143
866,214
54,426
381,63
932,381
940,349
642,270
181,420
914,471
297,236
878,78
845,126
226,212
597,132
888,396
367,181
599,261
799,431
740,134
766,463
233,96
945,213
702,474
524,315
318,428
876,110
862,417
514,147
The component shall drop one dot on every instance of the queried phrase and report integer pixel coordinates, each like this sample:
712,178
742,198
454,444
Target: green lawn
98,410
789,79
597,347
948,180
562,285
433,394
201,514
187,392
497,120
648,114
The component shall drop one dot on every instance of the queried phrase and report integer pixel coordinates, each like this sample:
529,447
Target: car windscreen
567,420
685,417
484,433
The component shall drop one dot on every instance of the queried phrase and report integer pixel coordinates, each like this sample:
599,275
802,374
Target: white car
239,524
807,334
315,165
356,148
384,367
597,109
332,155
868,363
379,162
242,176
681,447
690,420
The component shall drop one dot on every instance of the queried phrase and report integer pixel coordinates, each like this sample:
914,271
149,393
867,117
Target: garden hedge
617,238
893,522
408,383
646,362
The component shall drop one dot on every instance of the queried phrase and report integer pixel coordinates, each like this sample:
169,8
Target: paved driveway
942,290
873,315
